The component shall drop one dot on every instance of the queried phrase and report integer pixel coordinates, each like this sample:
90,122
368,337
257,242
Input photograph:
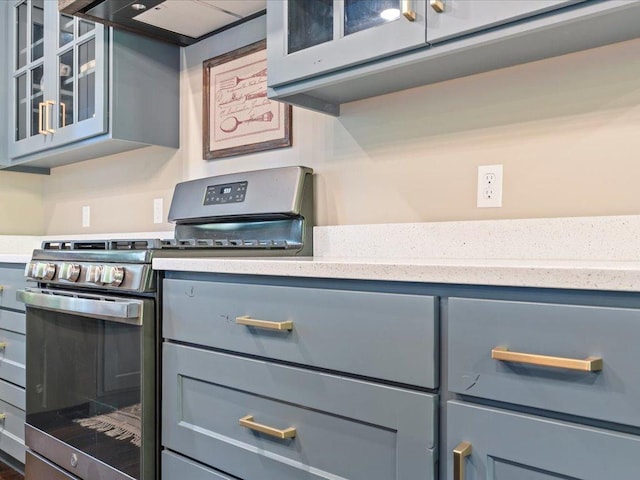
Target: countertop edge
587,275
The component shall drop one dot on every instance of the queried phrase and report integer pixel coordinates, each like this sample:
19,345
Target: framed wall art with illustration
238,116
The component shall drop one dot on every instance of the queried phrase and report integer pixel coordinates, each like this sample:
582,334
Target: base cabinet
539,383
508,445
317,388
256,420
179,467
12,363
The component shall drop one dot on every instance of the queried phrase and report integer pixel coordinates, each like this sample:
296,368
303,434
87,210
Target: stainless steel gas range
94,321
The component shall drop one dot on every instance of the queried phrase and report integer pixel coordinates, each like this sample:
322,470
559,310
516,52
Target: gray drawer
12,394
345,428
14,321
513,446
381,335
176,467
12,357
12,431
11,279
566,331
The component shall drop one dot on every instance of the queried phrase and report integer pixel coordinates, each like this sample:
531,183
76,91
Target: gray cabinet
547,348
80,90
12,363
339,330
256,419
264,379
4,38
463,17
453,39
323,36
507,445
561,380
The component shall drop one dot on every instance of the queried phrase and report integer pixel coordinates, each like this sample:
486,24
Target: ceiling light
390,14
138,6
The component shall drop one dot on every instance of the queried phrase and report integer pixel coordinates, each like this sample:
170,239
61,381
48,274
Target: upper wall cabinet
326,35
327,52
450,18
80,91
58,78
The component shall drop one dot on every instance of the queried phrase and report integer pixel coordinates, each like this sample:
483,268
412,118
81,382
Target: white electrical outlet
157,210
490,186
86,216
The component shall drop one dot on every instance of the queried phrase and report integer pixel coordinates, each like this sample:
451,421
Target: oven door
91,382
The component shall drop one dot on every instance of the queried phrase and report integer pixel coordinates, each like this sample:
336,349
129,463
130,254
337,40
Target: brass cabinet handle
408,13
462,451
590,364
41,129
47,116
252,322
248,422
3,345
437,5
3,416
64,114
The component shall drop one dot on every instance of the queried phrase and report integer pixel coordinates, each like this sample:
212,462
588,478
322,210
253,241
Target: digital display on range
227,193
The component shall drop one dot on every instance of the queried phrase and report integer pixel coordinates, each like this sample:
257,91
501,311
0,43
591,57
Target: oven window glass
84,385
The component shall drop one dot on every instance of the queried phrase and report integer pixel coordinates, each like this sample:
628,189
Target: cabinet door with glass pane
306,38
57,78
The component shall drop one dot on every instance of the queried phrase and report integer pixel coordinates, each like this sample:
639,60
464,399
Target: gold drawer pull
590,364
3,345
437,5
248,422
462,451
41,129
3,416
252,322
407,11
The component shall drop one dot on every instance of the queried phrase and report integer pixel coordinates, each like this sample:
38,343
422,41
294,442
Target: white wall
565,129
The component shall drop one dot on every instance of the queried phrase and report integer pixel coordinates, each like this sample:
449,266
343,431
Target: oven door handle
94,306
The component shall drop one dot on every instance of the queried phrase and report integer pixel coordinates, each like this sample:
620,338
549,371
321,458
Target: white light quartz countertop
593,253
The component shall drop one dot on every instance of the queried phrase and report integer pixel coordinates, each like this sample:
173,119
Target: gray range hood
181,22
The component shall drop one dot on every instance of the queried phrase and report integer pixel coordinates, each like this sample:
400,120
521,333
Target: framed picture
238,116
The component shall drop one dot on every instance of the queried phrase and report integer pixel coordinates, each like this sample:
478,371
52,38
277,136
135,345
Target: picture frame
238,118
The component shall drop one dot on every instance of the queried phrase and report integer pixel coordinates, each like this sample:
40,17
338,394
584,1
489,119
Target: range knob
29,269
113,276
93,274
70,271
44,271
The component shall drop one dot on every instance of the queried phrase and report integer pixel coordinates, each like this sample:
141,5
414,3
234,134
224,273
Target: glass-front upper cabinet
57,77
308,38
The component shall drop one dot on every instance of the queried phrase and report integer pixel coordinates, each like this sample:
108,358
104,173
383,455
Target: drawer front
176,467
12,394
11,279
12,357
508,446
13,321
380,335
476,327
343,428
12,431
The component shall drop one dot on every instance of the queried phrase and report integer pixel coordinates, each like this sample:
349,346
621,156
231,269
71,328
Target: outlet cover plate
489,186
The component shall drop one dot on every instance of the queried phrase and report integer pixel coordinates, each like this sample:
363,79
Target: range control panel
226,193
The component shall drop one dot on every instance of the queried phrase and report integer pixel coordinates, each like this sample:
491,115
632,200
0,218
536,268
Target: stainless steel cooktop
261,213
